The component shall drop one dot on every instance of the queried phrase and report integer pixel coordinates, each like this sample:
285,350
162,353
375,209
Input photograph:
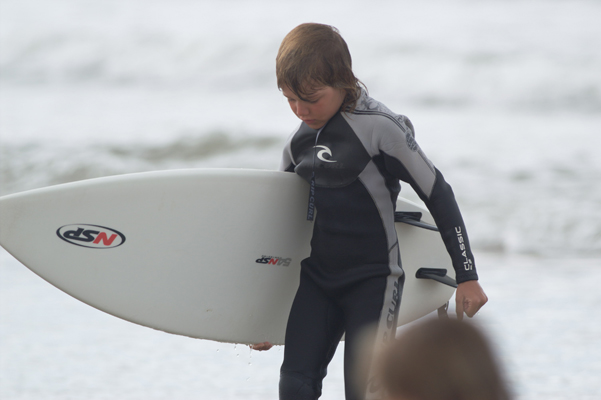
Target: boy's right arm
261,346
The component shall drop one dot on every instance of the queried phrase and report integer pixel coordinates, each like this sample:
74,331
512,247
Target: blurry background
505,97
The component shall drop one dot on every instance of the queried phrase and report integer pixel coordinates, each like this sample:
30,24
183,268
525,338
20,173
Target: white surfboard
205,253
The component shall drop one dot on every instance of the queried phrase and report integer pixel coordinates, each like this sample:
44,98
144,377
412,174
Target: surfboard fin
442,311
413,218
436,274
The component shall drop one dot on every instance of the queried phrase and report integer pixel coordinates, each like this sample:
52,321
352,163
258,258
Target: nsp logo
285,262
92,236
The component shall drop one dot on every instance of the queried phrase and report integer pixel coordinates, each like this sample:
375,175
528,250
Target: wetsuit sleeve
404,159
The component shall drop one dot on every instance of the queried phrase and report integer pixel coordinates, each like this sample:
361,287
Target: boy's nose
301,110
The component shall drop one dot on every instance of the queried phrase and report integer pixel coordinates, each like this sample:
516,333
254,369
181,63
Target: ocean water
506,100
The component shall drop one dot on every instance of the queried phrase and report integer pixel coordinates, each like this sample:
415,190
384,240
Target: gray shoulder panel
383,131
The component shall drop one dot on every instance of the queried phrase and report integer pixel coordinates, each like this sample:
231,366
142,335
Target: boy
353,151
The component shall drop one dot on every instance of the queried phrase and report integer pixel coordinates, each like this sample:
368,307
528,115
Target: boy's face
318,107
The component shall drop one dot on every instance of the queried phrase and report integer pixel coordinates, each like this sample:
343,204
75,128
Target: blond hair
312,56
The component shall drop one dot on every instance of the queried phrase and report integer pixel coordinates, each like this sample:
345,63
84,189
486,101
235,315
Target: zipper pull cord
311,205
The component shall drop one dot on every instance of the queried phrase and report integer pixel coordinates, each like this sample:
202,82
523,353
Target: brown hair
315,55
440,360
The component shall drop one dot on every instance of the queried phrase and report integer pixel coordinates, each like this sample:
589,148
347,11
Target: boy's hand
261,346
469,298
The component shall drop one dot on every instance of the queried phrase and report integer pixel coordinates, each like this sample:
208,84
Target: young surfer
353,151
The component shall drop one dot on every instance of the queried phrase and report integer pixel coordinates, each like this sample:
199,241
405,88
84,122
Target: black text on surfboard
91,236
284,262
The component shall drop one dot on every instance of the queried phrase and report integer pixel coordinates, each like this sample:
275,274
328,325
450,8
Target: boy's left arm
469,298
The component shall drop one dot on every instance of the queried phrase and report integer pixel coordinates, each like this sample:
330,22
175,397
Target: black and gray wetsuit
353,277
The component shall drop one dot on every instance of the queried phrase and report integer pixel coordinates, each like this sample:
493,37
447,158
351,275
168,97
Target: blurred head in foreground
441,360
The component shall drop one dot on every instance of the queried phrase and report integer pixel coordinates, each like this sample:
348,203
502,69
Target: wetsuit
353,277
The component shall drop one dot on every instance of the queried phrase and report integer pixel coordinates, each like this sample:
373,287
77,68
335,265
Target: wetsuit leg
314,329
370,312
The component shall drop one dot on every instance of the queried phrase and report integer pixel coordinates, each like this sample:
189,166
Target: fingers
469,308
472,306
459,308
261,346
469,298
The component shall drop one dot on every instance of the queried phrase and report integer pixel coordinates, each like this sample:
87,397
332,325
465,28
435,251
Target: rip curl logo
91,236
411,143
284,262
325,154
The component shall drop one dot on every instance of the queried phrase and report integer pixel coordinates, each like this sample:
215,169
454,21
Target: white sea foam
530,54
